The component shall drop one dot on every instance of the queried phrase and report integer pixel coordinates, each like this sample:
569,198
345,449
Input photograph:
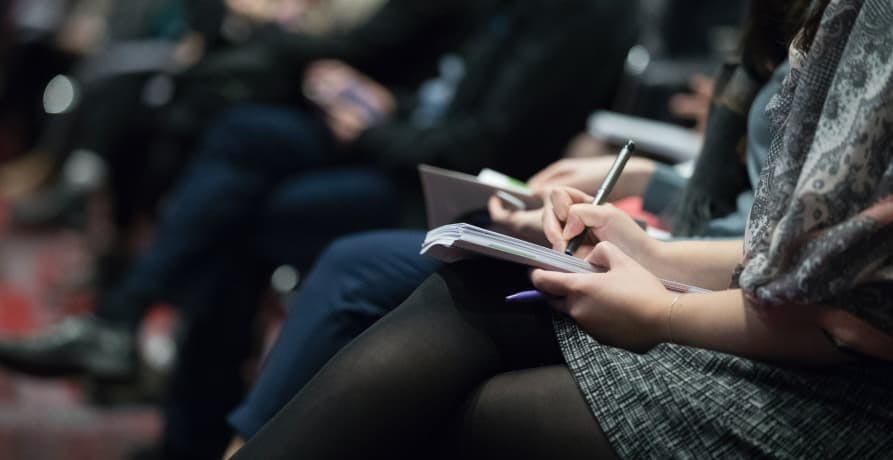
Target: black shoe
76,346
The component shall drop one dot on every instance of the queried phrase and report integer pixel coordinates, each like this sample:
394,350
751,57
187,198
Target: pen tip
631,146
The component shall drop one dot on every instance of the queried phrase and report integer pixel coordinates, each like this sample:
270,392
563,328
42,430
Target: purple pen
528,296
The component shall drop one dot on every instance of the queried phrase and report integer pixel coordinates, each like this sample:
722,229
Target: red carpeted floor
42,278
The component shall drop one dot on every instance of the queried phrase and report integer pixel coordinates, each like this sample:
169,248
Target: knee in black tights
535,413
396,388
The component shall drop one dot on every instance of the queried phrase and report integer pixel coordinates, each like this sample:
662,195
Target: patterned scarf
821,228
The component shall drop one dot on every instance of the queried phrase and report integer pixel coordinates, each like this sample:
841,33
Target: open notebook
453,242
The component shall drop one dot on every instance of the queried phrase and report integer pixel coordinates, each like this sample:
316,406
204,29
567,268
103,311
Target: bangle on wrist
670,318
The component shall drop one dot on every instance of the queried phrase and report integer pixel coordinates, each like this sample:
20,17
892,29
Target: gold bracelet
670,318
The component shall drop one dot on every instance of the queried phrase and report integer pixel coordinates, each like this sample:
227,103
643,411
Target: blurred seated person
275,182
137,130
171,44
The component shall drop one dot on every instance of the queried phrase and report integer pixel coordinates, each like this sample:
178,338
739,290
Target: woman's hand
625,307
352,102
568,212
526,225
588,174
694,105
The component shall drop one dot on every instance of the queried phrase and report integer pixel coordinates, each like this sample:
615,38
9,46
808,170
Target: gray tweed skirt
688,403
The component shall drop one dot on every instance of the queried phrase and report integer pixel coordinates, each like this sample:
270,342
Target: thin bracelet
670,318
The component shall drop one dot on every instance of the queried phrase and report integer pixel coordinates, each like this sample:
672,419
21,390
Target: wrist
660,320
653,254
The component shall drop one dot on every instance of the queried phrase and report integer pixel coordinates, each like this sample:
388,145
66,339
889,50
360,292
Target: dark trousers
245,156
267,187
355,282
298,220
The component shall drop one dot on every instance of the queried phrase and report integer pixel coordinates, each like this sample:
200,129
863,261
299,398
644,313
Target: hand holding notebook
450,195
454,242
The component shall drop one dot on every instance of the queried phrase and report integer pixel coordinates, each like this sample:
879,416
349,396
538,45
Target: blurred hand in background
351,101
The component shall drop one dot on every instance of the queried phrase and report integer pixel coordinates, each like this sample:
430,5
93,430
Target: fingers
563,198
325,80
553,230
595,218
702,85
556,283
687,106
346,122
556,206
498,213
325,66
567,288
608,256
552,171
581,216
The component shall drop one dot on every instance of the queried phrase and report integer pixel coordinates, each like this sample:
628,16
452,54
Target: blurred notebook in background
451,195
454,242
668,142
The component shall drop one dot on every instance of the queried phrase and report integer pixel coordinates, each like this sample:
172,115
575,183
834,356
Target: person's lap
453,349
533,413
309,210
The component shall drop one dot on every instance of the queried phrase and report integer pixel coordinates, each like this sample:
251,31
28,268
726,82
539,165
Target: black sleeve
401,31
559,70
205,17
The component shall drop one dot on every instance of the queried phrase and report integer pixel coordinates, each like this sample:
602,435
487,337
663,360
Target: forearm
706,264
724,322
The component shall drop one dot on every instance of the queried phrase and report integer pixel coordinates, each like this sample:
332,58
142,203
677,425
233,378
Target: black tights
454,372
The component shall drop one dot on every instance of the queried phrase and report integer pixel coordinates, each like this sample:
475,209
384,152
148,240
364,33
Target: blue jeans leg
309,210
356,281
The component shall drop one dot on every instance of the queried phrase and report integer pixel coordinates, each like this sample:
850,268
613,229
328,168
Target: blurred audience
236,136
282,181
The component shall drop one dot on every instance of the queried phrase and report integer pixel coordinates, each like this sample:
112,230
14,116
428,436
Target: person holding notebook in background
793,360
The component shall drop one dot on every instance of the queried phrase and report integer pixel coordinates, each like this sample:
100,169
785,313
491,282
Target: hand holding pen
602,194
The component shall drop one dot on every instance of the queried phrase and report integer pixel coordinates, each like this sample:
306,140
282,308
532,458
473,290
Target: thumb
607,255
555,283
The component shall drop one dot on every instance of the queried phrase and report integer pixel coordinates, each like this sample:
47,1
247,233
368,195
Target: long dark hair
811,24
768,31
720,172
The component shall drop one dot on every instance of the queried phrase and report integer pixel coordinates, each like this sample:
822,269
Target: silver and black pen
604,190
